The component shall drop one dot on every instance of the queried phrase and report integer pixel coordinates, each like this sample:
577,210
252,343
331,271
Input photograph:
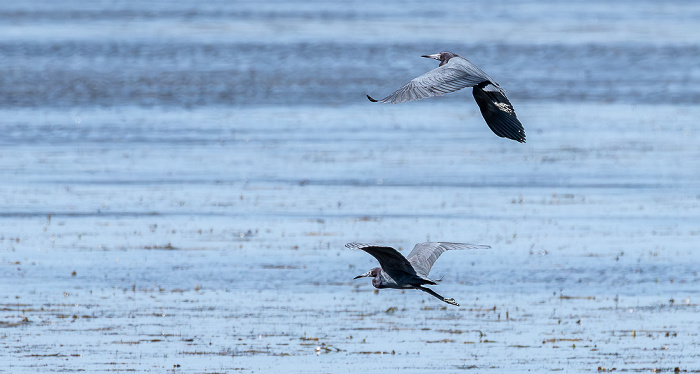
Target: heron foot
451,301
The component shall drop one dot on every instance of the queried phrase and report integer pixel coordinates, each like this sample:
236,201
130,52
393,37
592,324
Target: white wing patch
505,108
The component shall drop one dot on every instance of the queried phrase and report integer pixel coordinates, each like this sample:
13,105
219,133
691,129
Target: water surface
177,182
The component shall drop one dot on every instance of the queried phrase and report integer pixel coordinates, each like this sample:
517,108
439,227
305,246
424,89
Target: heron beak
367,274
435,56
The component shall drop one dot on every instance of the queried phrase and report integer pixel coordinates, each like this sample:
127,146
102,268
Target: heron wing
498,111
391,261
424,255
456,74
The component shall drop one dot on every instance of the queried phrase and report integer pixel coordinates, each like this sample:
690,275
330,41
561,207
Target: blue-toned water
178,181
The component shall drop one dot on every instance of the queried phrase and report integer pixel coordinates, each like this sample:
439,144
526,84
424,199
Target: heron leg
428,290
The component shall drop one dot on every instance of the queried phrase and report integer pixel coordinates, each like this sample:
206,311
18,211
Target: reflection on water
177,182
185,74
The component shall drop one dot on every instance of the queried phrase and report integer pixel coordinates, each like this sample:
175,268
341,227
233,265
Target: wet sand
206,252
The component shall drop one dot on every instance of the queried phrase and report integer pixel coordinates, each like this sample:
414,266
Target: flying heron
410,272
453,74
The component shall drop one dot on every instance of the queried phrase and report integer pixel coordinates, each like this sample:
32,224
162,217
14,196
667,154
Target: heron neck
383,280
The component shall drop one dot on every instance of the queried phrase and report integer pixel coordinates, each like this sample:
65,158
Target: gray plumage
397,271
453,74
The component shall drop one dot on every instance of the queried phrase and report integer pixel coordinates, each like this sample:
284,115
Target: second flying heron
453,74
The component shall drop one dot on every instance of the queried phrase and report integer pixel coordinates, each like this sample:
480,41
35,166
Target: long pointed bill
367,274
435,56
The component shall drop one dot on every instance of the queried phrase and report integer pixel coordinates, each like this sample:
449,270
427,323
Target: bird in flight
453,74
397,271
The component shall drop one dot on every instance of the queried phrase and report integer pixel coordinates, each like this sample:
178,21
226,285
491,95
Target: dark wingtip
371,99
518,138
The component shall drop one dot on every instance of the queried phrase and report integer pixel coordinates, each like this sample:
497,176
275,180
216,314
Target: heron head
371,274
443,57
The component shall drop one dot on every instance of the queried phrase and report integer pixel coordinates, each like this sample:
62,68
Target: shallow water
177,185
